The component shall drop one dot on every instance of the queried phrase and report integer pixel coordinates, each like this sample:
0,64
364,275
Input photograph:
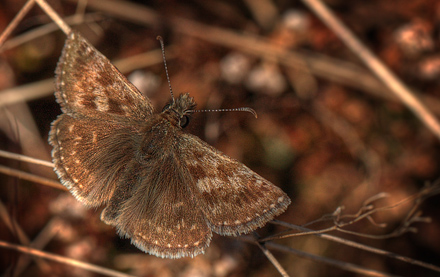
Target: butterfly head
178,110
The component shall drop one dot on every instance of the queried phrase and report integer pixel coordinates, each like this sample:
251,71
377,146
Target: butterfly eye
184,121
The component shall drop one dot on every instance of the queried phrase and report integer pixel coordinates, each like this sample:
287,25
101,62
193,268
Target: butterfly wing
234,199
87,83
155,207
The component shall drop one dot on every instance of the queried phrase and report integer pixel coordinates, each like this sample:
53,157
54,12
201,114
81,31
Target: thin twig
363,213
427,191
45,87
26,92
361,246
43,238
16,229
26,159
23,11
269,255
319,259
54,16
63,260
375,65
32,178
47,29
325,67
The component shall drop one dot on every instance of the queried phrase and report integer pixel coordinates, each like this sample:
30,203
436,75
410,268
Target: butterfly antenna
244,109
160,39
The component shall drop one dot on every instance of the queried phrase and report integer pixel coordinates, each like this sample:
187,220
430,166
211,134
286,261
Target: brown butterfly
165,189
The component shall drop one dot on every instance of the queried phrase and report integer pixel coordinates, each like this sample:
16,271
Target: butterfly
165,189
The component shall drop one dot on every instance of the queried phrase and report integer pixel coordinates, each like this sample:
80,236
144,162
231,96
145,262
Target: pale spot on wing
101,103
193,227
197,243
235,179
126,109
208,183
94,137
77,161
204,185
280,199
272,206
169,245
237,221
186,245
178,226
75,180
70,128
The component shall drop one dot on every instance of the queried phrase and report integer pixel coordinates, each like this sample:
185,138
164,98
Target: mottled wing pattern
234,199
89,155
156,207
164,189
87,83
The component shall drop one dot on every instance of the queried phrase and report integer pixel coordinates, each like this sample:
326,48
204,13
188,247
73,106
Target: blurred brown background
328,133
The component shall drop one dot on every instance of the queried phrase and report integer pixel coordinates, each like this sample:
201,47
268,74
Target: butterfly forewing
87,83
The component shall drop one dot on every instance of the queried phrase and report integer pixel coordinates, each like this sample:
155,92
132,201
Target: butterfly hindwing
89,155
158,210
234,199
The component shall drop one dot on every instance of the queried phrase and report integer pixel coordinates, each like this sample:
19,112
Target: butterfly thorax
178,110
